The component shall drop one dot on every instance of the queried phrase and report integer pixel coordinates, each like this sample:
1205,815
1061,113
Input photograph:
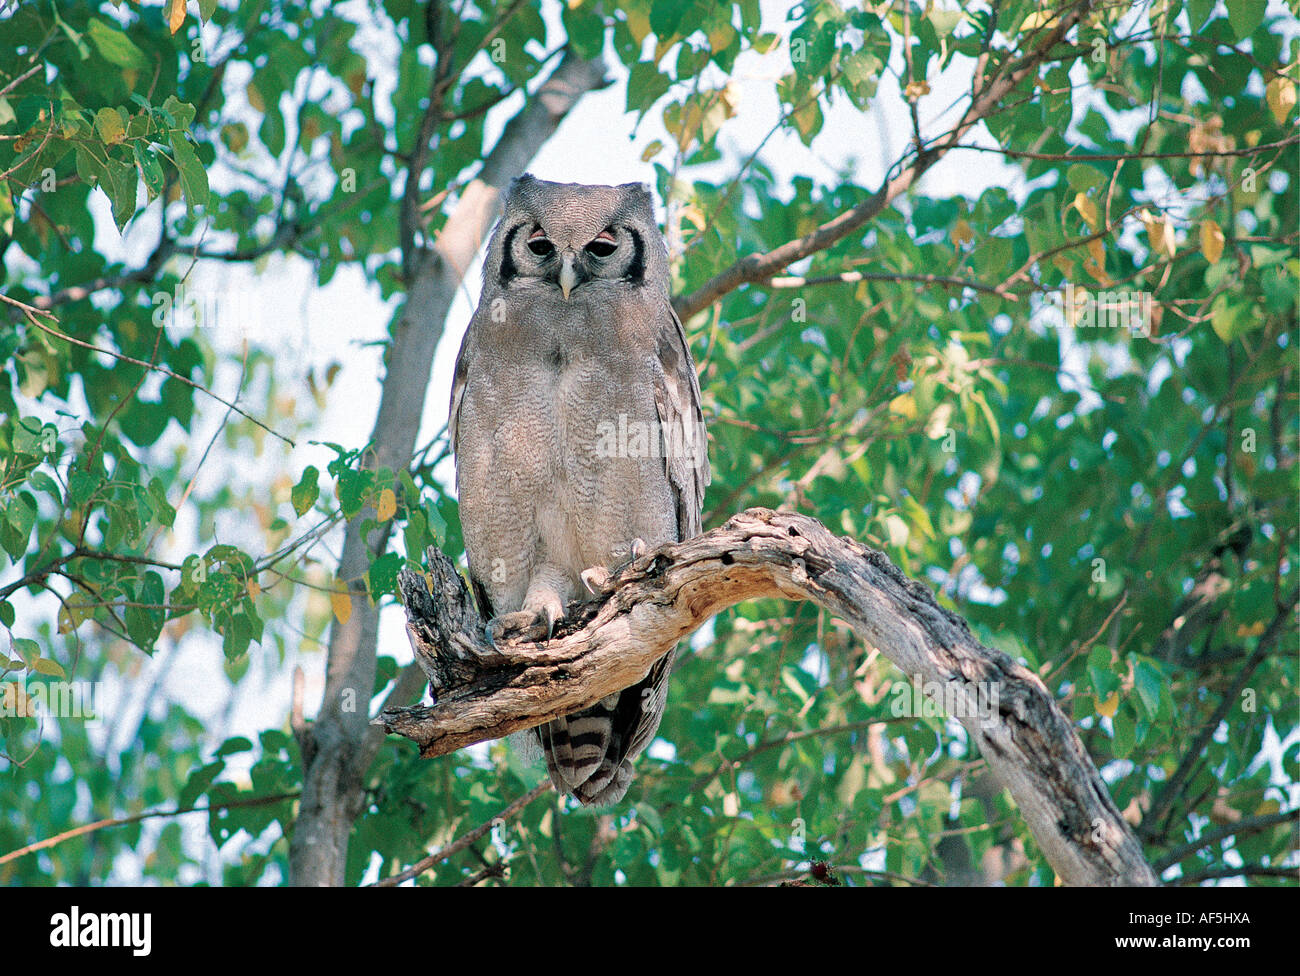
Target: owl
579,441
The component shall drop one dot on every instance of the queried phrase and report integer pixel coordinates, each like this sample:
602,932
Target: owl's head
569,235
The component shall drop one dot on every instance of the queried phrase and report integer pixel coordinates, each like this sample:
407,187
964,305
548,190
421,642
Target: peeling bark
485,692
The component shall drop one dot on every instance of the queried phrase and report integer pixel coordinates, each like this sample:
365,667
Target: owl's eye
603,246
541,246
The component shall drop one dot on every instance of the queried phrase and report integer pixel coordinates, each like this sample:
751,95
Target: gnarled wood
485,692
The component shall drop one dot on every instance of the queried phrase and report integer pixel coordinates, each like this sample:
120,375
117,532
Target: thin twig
462,842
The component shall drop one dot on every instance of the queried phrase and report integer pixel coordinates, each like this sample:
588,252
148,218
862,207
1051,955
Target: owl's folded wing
677,399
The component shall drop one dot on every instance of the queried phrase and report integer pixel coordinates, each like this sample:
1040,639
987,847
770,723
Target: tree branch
759,267
486,692
1246,825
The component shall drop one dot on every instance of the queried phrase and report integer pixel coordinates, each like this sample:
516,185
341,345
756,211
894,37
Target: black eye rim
601,249
541,247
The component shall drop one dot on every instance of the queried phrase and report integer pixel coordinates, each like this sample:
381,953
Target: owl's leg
543,605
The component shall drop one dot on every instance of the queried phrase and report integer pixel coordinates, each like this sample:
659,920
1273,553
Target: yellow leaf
387,506
1039,18
904,406
1211,241
961,233
72,612
108,124
691,215
652,150
176,15
341,603
638,24
1160,232
1087,209
254,588
1107,708
255,98
915,89
1096,263
1280,95
720,36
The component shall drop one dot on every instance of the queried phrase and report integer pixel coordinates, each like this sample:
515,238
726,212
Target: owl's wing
458,389
458,382
677,399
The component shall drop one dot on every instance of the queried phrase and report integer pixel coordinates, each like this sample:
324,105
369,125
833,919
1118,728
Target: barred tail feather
589,753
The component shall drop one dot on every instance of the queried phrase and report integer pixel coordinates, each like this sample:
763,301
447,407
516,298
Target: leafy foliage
1114,506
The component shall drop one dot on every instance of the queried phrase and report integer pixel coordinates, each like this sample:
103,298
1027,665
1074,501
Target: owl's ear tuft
520,184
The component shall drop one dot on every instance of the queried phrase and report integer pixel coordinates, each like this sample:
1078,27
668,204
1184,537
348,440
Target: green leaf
1245,16
6,613
114,46
180,114
194,179
198,783
646,84
381,578
52,668
163,510
232,746
146,163
303,495
81,486
122,186
1148,681
28,650
1125,737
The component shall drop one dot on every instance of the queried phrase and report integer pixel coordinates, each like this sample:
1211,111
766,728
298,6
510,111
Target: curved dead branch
485,692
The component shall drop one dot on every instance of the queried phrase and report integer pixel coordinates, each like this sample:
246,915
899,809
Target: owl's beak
568,276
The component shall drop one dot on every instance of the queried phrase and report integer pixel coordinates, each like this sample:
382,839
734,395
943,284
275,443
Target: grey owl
579,440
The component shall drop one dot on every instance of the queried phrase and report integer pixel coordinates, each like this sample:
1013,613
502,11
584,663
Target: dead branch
485,692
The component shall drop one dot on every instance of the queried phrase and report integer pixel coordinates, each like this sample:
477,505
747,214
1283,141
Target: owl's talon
638,549
596,580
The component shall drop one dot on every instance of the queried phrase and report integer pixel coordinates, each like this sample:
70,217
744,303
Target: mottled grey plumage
575,418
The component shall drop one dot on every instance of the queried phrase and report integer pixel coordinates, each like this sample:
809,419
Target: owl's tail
585,754
589,753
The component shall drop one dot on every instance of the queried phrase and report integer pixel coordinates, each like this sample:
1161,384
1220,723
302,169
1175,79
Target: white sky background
308,326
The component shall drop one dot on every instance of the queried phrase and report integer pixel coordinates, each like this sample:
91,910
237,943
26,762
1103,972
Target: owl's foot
533,624
598,579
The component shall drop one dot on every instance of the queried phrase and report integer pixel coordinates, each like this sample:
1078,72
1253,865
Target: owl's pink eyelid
537,235
605,235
